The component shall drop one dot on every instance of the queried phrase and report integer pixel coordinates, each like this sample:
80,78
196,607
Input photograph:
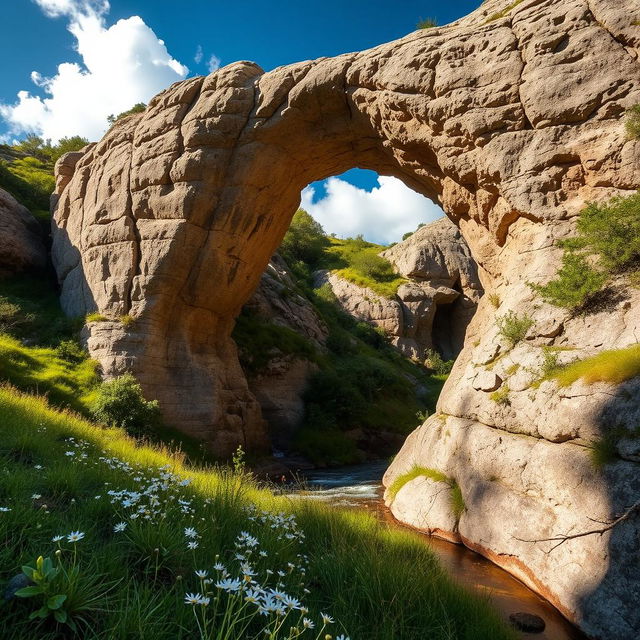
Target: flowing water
360,487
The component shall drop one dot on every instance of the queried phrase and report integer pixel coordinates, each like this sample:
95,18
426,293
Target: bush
434,361
633,121
608,241
371,265
71,351
513,328
120,403
576,284
304,241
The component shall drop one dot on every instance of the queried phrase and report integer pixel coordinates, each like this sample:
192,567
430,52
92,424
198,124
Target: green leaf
61,616
72,624
42,612
55,602
28,571
29,592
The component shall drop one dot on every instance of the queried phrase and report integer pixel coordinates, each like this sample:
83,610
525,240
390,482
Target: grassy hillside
122,529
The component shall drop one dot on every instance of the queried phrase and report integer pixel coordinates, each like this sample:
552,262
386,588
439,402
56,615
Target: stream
360,487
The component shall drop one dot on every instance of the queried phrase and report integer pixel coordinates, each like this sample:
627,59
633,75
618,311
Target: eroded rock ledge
511,124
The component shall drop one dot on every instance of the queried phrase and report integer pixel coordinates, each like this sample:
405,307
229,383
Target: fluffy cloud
199,53
122,65
381,215
213,63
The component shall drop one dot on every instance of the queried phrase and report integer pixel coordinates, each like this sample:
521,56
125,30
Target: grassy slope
377,583
343,255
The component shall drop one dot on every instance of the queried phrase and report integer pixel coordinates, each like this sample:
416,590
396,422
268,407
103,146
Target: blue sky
116,53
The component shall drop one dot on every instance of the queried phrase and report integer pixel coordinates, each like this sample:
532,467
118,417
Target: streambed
360,487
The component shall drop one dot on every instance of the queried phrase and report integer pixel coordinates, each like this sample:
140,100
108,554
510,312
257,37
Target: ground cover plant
122,540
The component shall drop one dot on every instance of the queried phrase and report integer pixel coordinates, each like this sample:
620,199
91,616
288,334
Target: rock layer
511,119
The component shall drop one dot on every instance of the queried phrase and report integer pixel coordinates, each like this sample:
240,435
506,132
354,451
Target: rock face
432,310
511,119
280,386
21,245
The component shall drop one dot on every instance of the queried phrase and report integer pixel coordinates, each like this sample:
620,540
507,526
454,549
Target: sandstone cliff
512,119
432,310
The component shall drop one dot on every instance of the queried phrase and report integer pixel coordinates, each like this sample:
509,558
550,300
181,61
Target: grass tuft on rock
615,366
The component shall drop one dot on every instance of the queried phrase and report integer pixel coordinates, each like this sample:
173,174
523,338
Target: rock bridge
511,119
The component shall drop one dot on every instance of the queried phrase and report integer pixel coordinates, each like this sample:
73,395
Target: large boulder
21,246
512,119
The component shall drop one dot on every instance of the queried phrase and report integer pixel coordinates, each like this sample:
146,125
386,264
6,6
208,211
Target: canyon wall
511,119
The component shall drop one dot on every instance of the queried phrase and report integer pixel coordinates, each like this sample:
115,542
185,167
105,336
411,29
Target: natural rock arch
511,124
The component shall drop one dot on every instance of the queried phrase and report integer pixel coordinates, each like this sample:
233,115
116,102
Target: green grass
415,472
30,310
615,366
455,492
632,123
376,582
503,13
501,396
41,370
358,262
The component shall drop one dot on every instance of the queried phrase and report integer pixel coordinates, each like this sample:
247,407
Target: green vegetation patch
503,13
607,243
27,173
615,366
357,261
455,492
426,23
260,341
127,560
45,371
415,472
513,327
632,123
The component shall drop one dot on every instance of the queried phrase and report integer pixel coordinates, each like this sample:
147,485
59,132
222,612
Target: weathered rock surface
511,124
21,245
430,311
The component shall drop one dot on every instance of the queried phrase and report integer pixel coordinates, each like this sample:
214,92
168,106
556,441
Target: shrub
494,299
71,351
610,233
435,362
615,366
137,108
120,403
304,241
260,341
427,23
633,121
549,362
575,285
513,328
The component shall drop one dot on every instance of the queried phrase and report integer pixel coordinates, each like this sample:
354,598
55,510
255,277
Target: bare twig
608,525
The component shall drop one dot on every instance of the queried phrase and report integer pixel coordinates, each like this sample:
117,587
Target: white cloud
199,53
122,65
381,215
213,63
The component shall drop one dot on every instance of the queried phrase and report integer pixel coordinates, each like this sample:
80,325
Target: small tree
304,241
120,403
